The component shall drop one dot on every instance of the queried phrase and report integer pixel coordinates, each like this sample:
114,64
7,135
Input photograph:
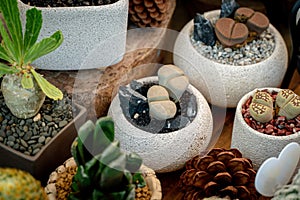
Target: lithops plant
220,173
16,184
291,191
261,107
288,103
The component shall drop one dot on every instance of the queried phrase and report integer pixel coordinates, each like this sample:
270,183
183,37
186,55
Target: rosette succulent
24,89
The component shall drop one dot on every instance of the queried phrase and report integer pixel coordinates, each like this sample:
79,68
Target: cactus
104,171
291,191
18,185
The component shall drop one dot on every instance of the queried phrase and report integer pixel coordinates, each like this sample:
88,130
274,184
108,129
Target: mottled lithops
288,104
160,106
261,107
173,78
204,30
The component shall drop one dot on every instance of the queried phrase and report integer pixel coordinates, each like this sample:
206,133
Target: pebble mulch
30,135
253,52
67,3
278,126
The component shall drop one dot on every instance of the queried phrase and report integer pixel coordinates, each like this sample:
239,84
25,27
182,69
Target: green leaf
5,56
33,26
27,81
43,47
50,90
11,15
7,43
134,162
4,69
139,180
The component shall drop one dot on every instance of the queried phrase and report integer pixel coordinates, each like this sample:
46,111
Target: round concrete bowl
94,36
223,85
168,151
149,175
253,144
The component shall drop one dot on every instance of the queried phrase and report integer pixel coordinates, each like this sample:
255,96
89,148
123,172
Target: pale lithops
283,97
288,103
261,107
160,106
173,78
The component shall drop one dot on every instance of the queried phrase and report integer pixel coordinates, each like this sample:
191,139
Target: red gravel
278,126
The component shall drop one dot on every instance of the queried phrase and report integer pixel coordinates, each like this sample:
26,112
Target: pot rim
199,99
240,118
187,29
82,111
76,8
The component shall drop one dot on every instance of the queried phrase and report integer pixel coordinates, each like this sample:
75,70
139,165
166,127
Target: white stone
253,144
217,82
94,36
165,152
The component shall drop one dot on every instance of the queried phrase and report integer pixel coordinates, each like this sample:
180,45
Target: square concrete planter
256,145
51,154
94,36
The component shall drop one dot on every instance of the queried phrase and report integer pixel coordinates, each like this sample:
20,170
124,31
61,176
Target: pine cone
148,13
219,173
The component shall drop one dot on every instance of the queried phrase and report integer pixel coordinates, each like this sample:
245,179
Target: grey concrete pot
94,36
168,151
253,144
221,84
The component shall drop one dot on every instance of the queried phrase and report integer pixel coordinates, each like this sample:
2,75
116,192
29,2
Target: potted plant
162,118
88,30
23,94
266,120
225,71
100,170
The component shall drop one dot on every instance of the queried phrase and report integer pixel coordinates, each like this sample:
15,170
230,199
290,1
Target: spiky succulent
20,50
104,171
18,185
291,191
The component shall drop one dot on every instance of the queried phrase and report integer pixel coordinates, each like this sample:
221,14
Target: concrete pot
253,144
94,36
50,155
223,85
149,175
168,151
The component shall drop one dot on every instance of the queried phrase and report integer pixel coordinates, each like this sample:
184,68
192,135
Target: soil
145,122
278,126
67,3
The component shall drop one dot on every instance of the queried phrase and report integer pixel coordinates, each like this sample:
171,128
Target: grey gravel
30,136
253,52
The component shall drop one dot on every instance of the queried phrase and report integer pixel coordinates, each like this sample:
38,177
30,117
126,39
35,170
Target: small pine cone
148,13
142,193
220,173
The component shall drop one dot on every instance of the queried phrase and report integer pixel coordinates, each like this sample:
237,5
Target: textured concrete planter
224,85
94,36
253,144
151,180
168,151
50,155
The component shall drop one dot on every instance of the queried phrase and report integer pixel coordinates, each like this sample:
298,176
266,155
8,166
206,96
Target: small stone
48,118
1,118
42,139
10,143
11,138
1,139
37,117
25,128
27,136
48,139
23,143
62,123
31,142
35,151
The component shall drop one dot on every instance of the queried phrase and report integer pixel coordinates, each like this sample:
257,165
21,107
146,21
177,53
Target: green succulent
20,50
16,184
291,191
104,171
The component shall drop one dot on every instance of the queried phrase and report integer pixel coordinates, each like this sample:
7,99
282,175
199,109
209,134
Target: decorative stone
230,33
228,7
203,30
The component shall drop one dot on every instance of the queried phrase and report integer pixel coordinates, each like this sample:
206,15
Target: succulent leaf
134,162
283,97
139,179
291,109
27,81
4,69
263,98
4,55
261,112
50,90
33,26
7,45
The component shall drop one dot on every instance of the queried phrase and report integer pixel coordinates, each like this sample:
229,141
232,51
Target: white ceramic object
169,151
94,36
223,85
253,144
274,173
